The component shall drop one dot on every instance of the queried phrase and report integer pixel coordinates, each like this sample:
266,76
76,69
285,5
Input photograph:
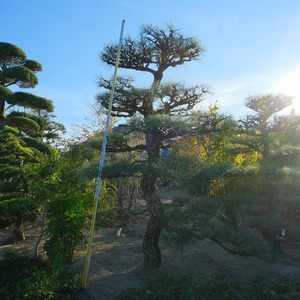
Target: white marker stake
101,165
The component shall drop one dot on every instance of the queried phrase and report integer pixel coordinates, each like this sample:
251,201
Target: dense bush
16,209
23,277
67,219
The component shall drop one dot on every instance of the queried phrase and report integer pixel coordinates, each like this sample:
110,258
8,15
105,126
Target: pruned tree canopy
154,51
11,55
30,101
33,65
266,118
267,105
20,75
167,99
26,128
16,69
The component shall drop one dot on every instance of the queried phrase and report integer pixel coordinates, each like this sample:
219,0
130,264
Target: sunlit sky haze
251,46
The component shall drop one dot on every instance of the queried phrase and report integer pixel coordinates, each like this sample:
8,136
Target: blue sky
252,46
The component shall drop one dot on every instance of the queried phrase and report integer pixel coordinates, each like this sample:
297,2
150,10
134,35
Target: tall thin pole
101,165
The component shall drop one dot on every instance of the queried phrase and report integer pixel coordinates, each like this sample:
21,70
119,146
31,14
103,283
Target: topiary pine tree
269,121
153,112
16,69
24,125
267,118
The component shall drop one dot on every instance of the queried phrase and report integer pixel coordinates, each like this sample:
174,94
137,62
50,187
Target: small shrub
23,277
67,215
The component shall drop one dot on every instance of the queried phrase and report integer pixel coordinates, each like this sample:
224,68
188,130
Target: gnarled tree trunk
151,250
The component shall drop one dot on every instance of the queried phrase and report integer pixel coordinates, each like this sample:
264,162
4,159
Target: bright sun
290,85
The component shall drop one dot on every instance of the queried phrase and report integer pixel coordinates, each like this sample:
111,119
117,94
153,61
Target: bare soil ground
116,260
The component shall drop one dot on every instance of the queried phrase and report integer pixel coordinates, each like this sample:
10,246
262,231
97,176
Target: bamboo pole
101,165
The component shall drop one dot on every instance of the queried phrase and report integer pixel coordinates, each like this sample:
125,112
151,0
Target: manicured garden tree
16,69
228,159
16,208
267,118
25,127
156,112
275,130
220,177
286,177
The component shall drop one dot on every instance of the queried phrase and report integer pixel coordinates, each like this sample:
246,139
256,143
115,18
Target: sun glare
290,85
296,104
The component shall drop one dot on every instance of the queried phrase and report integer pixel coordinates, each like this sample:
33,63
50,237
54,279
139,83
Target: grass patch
167,284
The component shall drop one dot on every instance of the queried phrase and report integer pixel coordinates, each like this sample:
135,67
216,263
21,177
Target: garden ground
116,259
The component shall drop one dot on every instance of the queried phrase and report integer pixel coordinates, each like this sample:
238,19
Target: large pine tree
153,112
